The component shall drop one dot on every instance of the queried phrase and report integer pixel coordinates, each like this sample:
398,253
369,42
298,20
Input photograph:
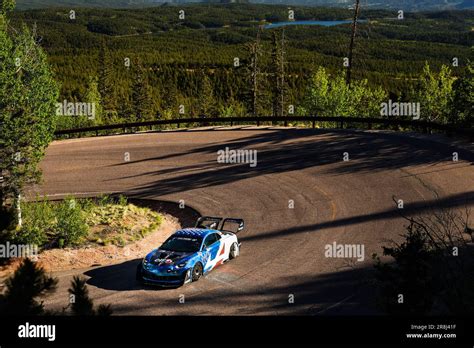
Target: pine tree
206,99
24,287
169,95
81,303
93,96
142,103
106,84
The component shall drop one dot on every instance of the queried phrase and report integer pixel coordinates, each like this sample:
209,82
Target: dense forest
140,64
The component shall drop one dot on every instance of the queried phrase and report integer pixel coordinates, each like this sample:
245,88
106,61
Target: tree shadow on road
292,150
461,200
346,292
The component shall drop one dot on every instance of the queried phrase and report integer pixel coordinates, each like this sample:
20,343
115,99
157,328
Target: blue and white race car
191,252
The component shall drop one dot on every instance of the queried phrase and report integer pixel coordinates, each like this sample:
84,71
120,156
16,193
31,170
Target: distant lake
322,23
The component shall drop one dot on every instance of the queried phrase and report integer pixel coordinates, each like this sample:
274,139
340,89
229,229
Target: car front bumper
160,279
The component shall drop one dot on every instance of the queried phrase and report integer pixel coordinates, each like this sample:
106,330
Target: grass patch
84,222
120,223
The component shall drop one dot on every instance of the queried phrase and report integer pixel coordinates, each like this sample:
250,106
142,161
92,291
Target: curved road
283,247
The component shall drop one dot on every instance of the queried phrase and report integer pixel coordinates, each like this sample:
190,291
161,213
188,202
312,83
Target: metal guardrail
419,125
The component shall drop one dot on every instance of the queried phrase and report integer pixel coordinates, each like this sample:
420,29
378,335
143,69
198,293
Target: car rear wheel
197,272
234,251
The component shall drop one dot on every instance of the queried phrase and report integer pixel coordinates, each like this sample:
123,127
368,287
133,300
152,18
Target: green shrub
330,95
71,224
103,200
411,274
122,200
38,223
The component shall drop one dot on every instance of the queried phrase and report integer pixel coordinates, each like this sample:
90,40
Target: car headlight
145,262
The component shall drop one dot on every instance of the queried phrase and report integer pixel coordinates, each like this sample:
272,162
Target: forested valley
217,60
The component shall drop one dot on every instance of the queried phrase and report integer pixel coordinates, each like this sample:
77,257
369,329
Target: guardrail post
341,124
314,124
231,123
286,123
258,123
369,125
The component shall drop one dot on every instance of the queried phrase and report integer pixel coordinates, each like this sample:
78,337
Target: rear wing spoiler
220,224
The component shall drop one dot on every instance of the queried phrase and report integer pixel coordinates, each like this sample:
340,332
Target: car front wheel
197,272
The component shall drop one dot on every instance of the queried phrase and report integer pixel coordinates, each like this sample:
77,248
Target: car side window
216,237
210,240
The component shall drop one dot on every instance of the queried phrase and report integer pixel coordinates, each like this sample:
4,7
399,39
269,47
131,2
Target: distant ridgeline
32,4
407,5
227,1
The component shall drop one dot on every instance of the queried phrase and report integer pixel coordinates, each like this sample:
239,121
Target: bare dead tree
351,46
282,73
256,52
278,65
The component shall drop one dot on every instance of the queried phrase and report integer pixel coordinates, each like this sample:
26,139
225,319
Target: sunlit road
300,197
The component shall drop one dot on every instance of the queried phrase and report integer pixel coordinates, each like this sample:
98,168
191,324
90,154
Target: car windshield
182,244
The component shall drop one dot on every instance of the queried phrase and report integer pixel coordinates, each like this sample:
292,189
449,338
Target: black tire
197,272
234,251
139,275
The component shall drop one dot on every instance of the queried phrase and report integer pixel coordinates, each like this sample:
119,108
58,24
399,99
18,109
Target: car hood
160,257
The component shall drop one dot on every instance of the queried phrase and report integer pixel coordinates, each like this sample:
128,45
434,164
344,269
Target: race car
191,252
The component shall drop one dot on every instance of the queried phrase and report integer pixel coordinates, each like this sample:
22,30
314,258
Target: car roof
194,232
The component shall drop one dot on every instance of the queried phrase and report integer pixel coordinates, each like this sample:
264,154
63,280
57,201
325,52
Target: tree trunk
351,46
19,220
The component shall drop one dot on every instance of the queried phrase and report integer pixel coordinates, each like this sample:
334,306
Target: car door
210,250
